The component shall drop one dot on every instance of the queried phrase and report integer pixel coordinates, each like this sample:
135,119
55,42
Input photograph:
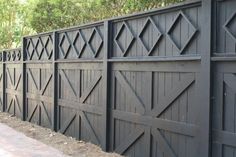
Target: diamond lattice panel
39,48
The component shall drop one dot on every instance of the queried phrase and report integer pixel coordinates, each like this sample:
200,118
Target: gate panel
224,80
13,84
39,80
80,83
155,83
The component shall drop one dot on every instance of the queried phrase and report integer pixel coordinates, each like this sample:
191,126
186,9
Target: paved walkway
16,144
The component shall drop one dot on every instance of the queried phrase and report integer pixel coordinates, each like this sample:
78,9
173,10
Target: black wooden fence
160,83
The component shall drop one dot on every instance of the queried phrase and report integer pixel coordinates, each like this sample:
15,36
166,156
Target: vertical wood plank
217,121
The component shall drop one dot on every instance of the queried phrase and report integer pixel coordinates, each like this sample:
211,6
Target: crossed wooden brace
12,90
80,106
150,119
39,97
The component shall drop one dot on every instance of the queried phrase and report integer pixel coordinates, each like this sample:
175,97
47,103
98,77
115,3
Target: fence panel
39,74
80,96
224,80
156,70
13,82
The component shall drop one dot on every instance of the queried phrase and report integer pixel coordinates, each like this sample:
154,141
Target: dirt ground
67,145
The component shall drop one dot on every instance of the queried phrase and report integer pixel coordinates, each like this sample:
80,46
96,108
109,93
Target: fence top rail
125,17
39,34
83,26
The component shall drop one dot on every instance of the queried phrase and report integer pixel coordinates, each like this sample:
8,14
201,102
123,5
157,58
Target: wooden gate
224,80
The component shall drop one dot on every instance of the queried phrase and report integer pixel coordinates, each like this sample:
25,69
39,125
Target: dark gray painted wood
2,80
223,103
13,82
39,78
139,85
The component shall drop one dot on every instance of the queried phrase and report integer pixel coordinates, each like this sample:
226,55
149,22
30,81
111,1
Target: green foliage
52,14
23,17
12,23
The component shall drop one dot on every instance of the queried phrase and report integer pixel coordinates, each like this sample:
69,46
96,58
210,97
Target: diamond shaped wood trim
77,37
33,47
159,34
13,55
172,27
226,26
100,42
64,39
9,56
122,48
19,55
36,48
45,47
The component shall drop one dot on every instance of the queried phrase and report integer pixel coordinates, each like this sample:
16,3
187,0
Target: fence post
203,93
23,58
105,74
3,82
54,81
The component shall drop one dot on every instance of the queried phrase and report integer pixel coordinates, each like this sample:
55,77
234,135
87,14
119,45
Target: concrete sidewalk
16,144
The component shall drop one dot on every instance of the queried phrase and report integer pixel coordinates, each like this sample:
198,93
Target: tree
47,15
12,24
